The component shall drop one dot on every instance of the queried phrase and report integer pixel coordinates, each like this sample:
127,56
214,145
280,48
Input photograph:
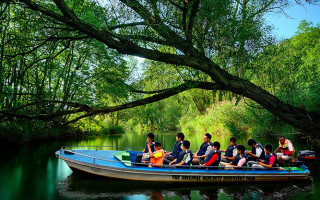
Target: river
33,172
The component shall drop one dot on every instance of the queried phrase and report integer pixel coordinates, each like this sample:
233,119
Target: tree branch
66,10
176,5
194,10
126,25
79,107
163,94
44,42
146,38
121,44
184,15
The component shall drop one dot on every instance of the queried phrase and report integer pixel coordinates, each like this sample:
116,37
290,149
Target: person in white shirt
257,151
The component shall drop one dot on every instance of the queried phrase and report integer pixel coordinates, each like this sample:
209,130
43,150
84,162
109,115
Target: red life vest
284,148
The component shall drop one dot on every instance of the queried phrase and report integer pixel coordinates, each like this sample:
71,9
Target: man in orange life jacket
287,150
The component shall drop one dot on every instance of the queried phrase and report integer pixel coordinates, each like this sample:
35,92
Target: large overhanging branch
115,41
161,94
91,111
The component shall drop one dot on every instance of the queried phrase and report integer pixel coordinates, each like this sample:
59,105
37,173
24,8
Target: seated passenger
269,161
257,151
214,156
177,148
239,160
156,157
185,156
231,151
204,150
150,139
287,150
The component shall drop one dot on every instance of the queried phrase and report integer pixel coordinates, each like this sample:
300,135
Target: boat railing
99,147
171,167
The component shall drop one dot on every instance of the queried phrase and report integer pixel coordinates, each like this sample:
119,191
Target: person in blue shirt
231,151
177,148
150,139
185,157
214,156
203,151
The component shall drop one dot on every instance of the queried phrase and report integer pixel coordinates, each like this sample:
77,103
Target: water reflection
35,173
91,187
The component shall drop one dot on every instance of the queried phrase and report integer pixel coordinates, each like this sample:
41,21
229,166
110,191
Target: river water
34,172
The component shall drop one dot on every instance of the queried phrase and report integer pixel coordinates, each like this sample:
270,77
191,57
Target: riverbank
23,132
31,132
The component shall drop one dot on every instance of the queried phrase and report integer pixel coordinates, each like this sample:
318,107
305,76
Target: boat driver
287,151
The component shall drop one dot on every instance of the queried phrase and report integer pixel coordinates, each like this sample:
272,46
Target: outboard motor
307,157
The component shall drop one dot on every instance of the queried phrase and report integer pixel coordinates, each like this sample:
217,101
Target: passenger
269,161
239,160
214,156
156,157
185,157
231,151
150,139
177,148
287,150
256,153
204,150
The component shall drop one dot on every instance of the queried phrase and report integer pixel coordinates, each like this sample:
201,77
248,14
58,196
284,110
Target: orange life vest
285,149
157,162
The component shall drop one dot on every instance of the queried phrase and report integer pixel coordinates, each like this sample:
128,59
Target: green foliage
291,69
53,64
99,125
112,129
239,120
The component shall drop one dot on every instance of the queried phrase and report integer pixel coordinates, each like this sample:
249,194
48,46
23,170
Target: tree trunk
214,94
